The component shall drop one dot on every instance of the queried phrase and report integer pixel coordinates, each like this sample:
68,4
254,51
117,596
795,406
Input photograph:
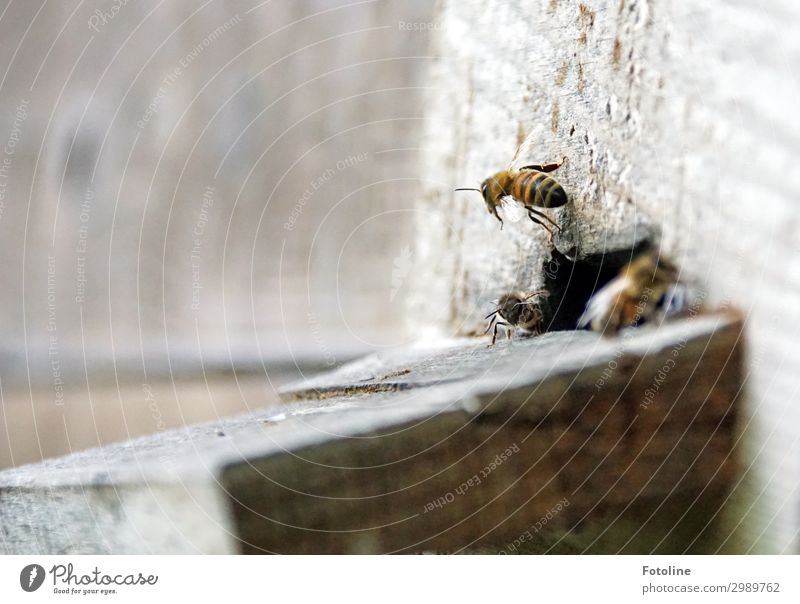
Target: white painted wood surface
675,116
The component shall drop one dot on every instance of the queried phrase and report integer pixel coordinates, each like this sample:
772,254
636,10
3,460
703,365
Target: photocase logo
31,577
67,581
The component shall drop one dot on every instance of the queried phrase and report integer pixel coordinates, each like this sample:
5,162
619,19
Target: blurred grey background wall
191,190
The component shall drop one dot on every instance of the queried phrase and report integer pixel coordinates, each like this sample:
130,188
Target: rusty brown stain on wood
520,134
586,15
321,394
552,5
397,373
616,53
587,22
561,75
554,117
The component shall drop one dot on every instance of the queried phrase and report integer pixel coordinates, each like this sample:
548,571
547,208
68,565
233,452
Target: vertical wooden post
678,124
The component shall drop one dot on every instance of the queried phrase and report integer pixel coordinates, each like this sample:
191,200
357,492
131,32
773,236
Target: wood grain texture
678,123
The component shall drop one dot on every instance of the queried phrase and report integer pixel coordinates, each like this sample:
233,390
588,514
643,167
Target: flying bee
646,289
516,310
529,186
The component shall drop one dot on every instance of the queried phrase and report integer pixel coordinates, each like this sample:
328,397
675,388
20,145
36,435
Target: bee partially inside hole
605,292
611,290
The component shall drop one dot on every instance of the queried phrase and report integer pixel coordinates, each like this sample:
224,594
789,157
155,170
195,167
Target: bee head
493,190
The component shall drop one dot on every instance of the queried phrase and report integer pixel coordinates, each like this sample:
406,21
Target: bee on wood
516,310
531,187
647,289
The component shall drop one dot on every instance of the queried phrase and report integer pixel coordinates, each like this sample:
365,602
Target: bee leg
545,167
496,215
494,335
543,215
543,225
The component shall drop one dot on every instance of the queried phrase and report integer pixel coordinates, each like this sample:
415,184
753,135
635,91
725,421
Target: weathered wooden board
568,415
383,456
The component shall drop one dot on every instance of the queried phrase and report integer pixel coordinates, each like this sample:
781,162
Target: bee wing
603,300
523,150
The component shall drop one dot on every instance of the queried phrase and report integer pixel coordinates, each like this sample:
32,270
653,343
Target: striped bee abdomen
534,188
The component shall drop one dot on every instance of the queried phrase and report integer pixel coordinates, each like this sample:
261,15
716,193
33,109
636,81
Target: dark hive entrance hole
572,283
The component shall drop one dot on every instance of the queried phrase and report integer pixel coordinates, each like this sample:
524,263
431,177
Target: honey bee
646,289
516,310
529,186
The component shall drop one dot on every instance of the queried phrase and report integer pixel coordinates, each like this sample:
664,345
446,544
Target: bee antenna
467,189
